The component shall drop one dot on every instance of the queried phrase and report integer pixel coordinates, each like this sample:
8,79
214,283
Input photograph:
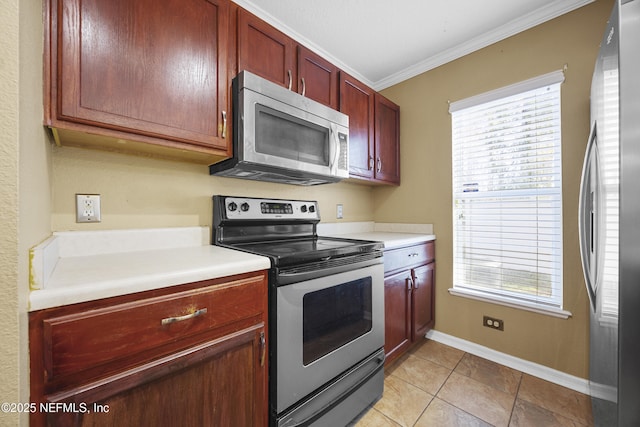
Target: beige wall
9,124
25,210
139,192
425,194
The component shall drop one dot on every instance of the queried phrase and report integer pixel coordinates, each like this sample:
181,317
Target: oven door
324,327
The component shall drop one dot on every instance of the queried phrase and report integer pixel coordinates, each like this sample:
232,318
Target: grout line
515,399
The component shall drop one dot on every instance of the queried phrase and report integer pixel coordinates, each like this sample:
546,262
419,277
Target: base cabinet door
422,301
397,305
214,384
409,297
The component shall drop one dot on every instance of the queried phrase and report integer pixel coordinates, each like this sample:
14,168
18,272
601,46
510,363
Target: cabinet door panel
357,101
397,330
265,51
134,66
422,310
387,138
318,78
217,383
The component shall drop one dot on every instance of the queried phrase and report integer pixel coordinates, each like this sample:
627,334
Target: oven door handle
287,277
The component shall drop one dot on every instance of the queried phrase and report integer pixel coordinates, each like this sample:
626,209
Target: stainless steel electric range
326,309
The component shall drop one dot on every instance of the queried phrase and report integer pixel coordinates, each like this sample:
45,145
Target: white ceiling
384,42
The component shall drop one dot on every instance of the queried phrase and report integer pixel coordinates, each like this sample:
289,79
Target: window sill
479,296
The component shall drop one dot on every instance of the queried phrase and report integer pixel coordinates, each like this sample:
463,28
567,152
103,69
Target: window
507,195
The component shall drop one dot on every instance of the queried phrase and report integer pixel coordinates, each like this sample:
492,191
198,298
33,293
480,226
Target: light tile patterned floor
437,385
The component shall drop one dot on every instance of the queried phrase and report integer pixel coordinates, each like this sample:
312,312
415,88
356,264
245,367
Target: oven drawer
139,330
399,259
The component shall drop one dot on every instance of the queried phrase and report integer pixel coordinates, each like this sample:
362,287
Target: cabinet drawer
397,259
79,341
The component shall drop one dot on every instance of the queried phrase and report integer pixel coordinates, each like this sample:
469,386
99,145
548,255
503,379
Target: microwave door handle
587,216
333,148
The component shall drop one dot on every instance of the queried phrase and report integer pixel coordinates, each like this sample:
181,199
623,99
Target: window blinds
507,192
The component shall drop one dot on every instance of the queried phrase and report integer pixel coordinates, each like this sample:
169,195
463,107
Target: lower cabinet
409,287
192,355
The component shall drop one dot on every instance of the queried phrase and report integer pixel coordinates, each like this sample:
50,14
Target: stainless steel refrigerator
609,221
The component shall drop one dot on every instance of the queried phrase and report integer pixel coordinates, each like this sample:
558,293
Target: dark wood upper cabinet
269,53
357,101
134,71
374,132
387,137
265,51
317,78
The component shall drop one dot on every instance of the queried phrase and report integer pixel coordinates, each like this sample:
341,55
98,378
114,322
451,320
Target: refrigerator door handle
587,215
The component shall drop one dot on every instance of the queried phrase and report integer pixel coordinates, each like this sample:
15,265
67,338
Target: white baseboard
557,377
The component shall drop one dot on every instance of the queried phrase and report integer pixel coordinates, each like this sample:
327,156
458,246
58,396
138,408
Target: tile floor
437,385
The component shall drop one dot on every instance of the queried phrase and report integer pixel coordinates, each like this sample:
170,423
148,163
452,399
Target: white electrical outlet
339,211
87,208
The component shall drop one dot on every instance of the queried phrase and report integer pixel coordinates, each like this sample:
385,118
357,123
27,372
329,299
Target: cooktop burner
288,252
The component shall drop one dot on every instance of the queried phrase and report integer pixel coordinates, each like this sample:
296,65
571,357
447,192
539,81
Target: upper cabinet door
387,162
357,101
265,51
159,70
317,78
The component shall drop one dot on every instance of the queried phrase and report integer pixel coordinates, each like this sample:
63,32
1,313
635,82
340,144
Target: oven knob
312,208
303,208
232,206
244,207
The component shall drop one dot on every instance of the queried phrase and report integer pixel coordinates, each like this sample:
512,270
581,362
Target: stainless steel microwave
282,136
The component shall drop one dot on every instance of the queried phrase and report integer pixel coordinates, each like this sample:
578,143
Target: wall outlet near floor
492,323
339,212
88,208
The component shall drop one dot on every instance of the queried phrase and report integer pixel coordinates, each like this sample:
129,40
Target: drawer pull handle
195,314
413,255
224,125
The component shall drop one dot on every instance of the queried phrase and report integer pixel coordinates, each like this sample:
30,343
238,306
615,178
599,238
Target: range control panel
265,209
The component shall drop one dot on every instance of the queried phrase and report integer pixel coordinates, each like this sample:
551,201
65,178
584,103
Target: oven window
281,135
335,316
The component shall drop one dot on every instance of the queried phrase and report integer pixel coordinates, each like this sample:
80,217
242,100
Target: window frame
504,297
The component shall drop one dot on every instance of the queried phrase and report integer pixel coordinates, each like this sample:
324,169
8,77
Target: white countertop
64,273
391,239
392,235
77,266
